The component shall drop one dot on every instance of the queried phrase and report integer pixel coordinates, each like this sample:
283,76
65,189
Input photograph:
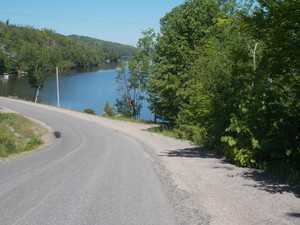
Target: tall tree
135,82
183,30
267,127
123,102
141,68
35,58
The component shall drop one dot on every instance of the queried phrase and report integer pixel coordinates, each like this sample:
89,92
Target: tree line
226,75
18,44
39,52
111,50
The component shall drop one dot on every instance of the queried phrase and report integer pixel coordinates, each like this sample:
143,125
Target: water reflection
79,89
102,66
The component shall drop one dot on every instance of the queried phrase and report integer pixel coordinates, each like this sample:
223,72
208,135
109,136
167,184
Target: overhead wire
80,19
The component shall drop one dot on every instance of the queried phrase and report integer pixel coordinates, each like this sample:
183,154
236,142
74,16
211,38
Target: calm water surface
79,91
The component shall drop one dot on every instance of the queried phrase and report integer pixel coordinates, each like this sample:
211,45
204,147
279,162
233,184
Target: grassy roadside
18,134
125,119
164,130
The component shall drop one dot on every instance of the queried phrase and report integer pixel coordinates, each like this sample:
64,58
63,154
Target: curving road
90,175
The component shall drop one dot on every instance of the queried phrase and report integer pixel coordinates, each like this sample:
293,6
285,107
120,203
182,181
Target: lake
78,90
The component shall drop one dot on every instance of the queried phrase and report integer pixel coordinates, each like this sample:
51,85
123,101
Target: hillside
109,48
23,48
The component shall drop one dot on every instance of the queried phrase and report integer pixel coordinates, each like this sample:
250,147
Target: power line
80,19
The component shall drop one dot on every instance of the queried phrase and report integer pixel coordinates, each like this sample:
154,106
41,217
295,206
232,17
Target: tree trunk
37,90
155,110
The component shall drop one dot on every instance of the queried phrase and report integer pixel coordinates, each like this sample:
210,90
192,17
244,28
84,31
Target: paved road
90,175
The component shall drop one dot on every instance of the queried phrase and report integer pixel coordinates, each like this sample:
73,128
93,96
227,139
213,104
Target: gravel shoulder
204,188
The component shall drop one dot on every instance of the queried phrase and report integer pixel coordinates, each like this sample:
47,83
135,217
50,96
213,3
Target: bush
90,111
193,133
108,110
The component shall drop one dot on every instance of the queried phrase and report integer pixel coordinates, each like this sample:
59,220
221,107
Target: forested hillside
226,76
22,47
39,52
111,50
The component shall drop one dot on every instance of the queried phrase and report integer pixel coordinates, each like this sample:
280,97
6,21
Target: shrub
90,111
108,110
193,133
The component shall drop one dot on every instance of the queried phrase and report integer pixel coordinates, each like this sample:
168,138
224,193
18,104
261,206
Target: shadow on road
269,183
196,152
264,181
293,215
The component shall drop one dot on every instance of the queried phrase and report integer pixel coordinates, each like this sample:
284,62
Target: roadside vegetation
90,111
18,134
109,112
164,130
224,74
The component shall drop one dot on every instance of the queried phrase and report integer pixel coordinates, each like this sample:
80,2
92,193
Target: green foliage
7,145
288,171
183,31
227,77
164,130
123,102
90,111
268,119
133,79
109,50
3,62
24,45
108,110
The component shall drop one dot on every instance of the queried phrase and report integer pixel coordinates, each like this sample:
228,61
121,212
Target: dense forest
226,75
21,47
111,50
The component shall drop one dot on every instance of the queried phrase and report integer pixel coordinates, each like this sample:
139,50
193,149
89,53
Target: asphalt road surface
90,175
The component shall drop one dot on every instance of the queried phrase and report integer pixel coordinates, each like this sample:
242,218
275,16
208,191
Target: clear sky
113,20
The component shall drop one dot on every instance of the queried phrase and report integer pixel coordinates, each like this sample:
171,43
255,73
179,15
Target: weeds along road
90,175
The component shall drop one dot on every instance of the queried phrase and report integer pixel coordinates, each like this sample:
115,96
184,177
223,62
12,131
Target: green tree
141,69
35,59
3,62
183,30
135,80
123,102
64,52
267,123
108,110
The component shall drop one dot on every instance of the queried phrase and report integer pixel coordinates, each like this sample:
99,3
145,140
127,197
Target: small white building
5,76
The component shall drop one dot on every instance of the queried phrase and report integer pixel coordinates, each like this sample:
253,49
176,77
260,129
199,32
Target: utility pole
57,87
139,99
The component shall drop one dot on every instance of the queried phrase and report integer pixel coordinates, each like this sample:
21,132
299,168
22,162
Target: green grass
126,119
18,134
164,130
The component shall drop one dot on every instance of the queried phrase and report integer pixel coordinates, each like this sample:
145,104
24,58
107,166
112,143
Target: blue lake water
79,91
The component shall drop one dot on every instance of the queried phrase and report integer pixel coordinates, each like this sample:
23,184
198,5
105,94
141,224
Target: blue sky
111,20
